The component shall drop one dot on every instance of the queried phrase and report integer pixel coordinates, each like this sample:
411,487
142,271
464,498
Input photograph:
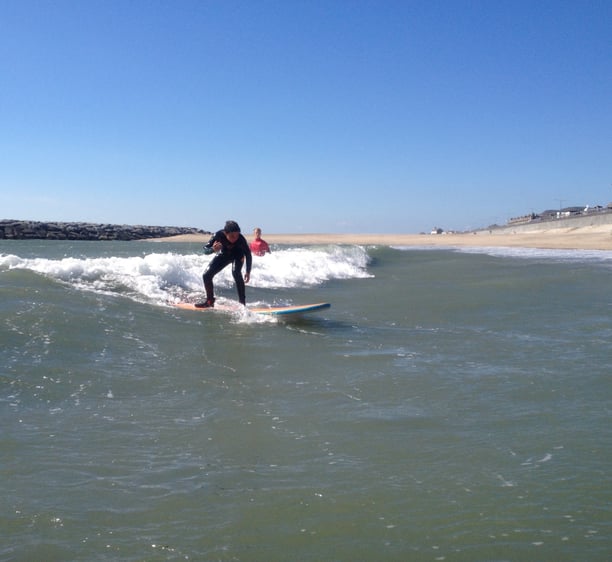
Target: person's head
257,232
232,231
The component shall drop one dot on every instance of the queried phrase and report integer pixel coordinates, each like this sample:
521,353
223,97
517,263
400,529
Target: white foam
602,256
542,253
167,277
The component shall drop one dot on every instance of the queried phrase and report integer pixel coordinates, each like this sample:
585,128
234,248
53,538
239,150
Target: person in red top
259,246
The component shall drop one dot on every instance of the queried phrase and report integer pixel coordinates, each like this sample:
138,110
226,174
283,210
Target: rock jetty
33,230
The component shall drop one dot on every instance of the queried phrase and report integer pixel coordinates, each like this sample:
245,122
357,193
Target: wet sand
582,238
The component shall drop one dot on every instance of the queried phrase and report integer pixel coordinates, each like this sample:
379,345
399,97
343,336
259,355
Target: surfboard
270,311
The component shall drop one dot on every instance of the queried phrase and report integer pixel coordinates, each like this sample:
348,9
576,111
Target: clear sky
304,116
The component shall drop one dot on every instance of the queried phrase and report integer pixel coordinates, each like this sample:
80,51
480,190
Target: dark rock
32,230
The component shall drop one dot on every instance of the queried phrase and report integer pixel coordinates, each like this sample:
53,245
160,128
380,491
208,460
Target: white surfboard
292,310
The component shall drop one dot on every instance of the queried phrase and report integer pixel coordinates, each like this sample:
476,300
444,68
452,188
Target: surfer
259,246
230,247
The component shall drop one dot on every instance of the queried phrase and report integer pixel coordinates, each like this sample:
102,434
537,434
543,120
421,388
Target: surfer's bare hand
247,277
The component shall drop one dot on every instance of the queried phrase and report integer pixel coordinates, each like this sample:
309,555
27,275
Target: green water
448,406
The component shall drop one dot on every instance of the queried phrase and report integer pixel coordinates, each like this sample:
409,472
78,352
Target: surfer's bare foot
210,303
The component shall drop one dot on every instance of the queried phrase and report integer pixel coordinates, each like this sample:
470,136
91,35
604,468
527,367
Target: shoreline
580,238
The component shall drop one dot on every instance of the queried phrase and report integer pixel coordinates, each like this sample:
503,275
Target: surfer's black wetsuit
229,253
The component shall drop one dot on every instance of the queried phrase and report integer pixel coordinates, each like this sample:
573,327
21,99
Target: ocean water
450,405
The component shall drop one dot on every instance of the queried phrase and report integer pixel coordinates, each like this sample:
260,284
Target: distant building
558,214
571,211
523,219
549,214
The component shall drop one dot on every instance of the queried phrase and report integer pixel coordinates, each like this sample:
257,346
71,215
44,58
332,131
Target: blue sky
304,116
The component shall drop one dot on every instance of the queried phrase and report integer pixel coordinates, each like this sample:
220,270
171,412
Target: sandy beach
581,238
